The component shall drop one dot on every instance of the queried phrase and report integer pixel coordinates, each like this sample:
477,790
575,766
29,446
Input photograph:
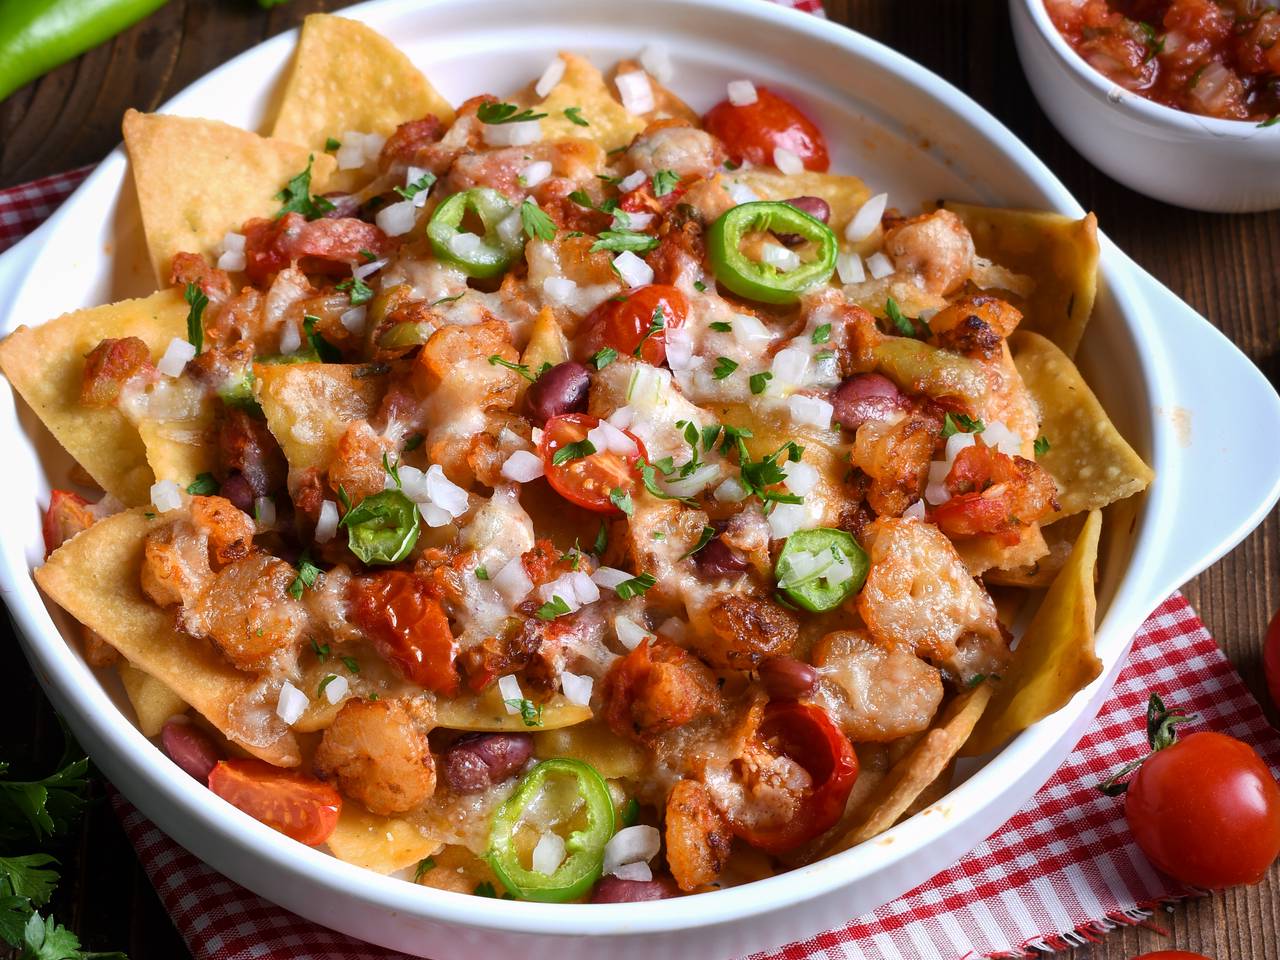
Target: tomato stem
1162,732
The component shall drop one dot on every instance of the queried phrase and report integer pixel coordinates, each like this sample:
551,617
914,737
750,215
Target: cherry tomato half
285,800
1270,657
1172,955
625,322
752,132
806,734
587,481
1206,810
67,515
407,626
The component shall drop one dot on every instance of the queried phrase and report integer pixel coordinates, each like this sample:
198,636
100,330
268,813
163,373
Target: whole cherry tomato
408,627
1172,955
637,320
1206,810
593,480
67,515
1270,657
807,735
753,131
286,800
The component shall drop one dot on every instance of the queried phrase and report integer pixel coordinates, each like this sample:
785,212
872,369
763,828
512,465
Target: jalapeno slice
765,282
476,256
820,569
584,848
382,528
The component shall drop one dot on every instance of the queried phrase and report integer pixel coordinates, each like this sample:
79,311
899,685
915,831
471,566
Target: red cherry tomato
67,515
407,626
285,800
587,481
624,322
754,131
1172,955
807,735
1271,658
1206,810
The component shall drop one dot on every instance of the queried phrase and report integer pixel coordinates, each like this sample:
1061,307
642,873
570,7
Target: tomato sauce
1215,59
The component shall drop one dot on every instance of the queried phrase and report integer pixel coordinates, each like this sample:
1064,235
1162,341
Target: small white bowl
1223,166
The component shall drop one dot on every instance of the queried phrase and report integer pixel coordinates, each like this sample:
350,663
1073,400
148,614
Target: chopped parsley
351,663
331,144
196,301
622,500
425,866
620,240
655,325
203,485
602,358
482,572
573,451
324,683
905,326
553,608
298,199
1151,40
960,423
701,288
368,256
760,476
519,368
1270,121
721,326
821,334
421,185
724,366
393,469
357,289
1041,446
602,535
530,712
664,181
325,350
649,477
414,442
759,381
321,650
581,199
495,113
574,114
708,534
537,225
306,578
635,587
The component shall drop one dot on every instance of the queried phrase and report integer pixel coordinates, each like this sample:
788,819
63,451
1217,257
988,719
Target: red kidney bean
190,748
815,207
866,396
562,389
718,559
786,678
617,890
476,761
238,490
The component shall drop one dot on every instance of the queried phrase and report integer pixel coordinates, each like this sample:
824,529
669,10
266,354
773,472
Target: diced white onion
786,518
373,144
232,260
957,442
623,417
605,436
748,329
938,470
412,481
610,577
632,180
327,525
444,493
412,176
350,155
175,357
915,510
290,338
742,93
702,477
634,271
509,687
232,242
512,582
465,244
548,853
550,77
801,477
636,91
535,173
656,58
679,342
673,629
790,365
646,387
584,588
879,265
634,221
741,193
536,436
435,517
1002,438
801,566
731,491
776,255
166,495
264,511
354,318
849,267
292,704
397,219
786,161
518,134
368,269
630,634
522,466
510,229
634,871
867,218
577,689
637,844
336,688
814,410
936,493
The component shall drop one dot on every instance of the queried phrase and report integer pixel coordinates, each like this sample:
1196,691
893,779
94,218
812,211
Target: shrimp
684,150
746,630
377,750
975,326
656,688
936,247
697,836
895,455
357,463
880,693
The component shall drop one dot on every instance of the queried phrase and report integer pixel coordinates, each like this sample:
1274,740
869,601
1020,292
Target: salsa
1215,59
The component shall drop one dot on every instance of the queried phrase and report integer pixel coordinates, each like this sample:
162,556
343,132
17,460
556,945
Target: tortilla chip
486,712
921,767
666,105
459,870
381,844
584,87
197,179
46,363
547,344
95,577
595,744
181,450
1059,537
844,195
153,700
1058,253
1088,459
987,554
347,76
1055,658
309,406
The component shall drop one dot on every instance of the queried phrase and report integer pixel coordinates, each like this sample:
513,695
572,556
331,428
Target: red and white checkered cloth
1062,872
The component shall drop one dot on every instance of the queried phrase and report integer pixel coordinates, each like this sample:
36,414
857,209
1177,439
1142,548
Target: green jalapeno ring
584,849
491,256
382,528
811,594
762,282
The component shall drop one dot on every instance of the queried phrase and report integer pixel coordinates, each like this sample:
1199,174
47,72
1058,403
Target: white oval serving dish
1184,396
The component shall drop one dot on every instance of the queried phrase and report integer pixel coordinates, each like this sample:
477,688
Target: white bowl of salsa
1183,109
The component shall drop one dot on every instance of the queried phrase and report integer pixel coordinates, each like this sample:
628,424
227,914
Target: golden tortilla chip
153,700
921,767
1058,253
1088,459
486,712
547,344
1055,658
381,844
198,179
845,195
347,76
309,406
595,744
95,577
46,363
583,86
1059,537
181,450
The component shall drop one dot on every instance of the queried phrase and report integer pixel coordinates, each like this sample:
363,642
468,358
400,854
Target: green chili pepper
819,588
485,256
761,281
403,335
382,528
38,35
584,848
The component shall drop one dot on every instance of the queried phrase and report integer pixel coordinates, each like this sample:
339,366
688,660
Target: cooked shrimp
895,455
697,836
378,752
684,150
357,462
882,692
975,326
656,688
746,630
936,247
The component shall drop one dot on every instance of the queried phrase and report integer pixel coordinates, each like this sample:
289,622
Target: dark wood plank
1224,266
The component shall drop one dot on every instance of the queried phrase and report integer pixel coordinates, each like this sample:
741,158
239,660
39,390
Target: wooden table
1225,267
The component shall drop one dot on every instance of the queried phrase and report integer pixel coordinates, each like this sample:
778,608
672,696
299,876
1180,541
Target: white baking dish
1197,409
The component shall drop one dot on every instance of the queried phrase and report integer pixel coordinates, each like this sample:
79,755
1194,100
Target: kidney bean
815,207
479,760
190,748
863,397
562,389
344,205
718,559
238,490
617,890
786,678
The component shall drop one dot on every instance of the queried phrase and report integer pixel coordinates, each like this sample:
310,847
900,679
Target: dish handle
1225,418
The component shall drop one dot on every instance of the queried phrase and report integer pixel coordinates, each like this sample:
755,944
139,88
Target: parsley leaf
26,879
602,358
635,587
530,712
321,650
821,334
307,574
622,500
325,350
708,534
482,572
358,290
620,240
1270,121
573,451
553,608
537,225
411,190
664,181
331,144
759,381
298,199
905,326
393,469
602,535
724,366
324,683
1041,446
413,442
721,326
655,325
203,485
495,113
196,301
351,663
519,368
575,116
425,866
649,477
701,288
46,805
960,423
581,199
